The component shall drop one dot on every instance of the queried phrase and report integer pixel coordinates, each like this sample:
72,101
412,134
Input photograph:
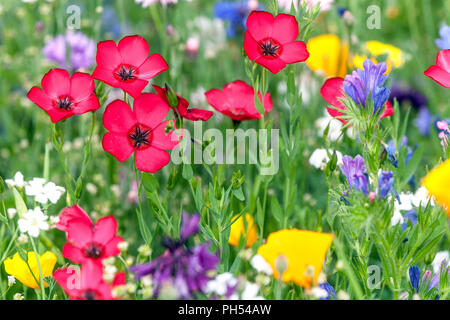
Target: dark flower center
140,136
64,102
269,48
125,73
93,250
89,294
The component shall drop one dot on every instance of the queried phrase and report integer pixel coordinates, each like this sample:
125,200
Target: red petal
66,278
439,75
388,110
71,213
251,47
91,274
40,98
259,24
274,65
151,159
118,145
133,50
150,109
79,232
331,91
87,105
217,99
197,114
105,229
81,86
111,248
164,141
443,60
285,28
335,114
106,76
152,66
119,279
58,114
294,52
134,88
119,117
108,56
268,105
56,83
73,253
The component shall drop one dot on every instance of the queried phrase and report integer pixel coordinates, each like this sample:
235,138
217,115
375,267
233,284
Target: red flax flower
333,90
183,107
63,96
127,65
71,213
237,101
88,242
441,71
270,41
141,130
89,284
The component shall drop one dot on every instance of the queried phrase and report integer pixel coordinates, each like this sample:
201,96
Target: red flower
127,66
441,71
71,213
141,130
89,284
271,41
237,101
183,105
333,90
63,96
87,242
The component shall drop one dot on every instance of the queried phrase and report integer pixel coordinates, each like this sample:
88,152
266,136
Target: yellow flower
238,230
328,55
301,254
19,269
394,55
436,182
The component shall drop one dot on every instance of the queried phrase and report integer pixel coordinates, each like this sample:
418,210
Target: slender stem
41,277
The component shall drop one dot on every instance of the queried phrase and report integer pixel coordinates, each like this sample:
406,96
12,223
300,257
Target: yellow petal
326,54
238,230
436,182
304,251
394,54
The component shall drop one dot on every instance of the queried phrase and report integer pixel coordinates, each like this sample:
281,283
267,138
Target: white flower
318,293
11,212
221,284
334,130
18,296
17,181
319,158
251,292
33,222
44,192
261,265
325,5
409,201
22,239
11,280
440,257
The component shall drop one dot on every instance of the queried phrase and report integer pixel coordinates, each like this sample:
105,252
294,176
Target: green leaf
21,207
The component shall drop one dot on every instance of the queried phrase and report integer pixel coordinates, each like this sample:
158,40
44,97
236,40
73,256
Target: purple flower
366,84
411,215
423,121
355,172
331,292
414,277
407,94
444,42
186,268
81,55
385,183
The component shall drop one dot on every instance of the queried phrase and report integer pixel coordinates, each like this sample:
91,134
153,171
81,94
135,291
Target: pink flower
237,101
63,96
441,71
127,65
71,213
87,242
89,284
141,130
271,41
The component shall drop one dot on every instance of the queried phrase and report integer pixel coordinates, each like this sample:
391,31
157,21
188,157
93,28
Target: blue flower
365,86
355,172
444,42
423,121
235,13
414,277
330,290
412,216
385,183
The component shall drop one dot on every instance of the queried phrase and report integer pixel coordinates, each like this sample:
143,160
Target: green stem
41,277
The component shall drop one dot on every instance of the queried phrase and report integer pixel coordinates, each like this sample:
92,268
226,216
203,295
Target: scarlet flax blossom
89,284
71,213
237,101
141,130
441,71
62,96
127,66
182,109
271,41
88,242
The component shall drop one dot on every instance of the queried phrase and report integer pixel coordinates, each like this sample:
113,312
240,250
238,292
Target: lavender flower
355,172
385,183
81,55
423,121
444,42
184,267
366,86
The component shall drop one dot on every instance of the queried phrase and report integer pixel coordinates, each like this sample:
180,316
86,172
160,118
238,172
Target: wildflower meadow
224,150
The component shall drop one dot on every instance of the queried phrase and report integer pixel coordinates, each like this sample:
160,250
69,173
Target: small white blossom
11,280
11,212
22,238
250,292
42,192
123,246
18,296
261,265
33,222
144,250
17,181
319,158
441,257
221,284
318,293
